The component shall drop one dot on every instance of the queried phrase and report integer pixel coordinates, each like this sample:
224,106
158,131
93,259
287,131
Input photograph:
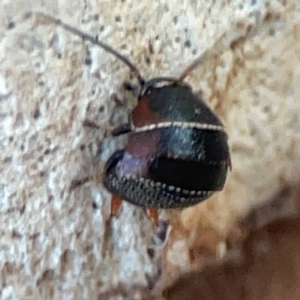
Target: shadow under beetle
177,153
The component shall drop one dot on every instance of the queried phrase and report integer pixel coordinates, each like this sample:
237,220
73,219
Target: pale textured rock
56,244
263,261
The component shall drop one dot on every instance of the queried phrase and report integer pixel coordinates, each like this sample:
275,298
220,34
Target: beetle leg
88,123
115,205
199,94
122,129
152,213
128,86
77,183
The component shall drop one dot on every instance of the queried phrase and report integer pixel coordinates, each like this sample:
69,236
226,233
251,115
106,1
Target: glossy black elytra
177,153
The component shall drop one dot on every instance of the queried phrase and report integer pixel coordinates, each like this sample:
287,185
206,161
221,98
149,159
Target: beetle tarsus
76,183
91,124
122,129
116,203
152,213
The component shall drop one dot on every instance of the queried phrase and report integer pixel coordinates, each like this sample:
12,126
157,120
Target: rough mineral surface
264,264
58,243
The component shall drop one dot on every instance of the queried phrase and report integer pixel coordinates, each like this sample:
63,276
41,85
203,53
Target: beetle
177,153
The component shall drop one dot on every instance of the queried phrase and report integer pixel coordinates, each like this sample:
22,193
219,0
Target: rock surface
60,244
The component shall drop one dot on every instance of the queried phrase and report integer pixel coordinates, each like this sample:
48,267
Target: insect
177,153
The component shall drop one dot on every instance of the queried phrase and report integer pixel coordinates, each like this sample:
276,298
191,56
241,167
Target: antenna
215,49
94,41
192,66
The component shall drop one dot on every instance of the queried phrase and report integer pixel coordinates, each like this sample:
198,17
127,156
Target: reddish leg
152,213
115,205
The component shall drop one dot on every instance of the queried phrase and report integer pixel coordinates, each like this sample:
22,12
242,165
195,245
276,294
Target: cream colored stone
54,245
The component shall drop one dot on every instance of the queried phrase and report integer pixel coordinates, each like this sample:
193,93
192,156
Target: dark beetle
177,153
